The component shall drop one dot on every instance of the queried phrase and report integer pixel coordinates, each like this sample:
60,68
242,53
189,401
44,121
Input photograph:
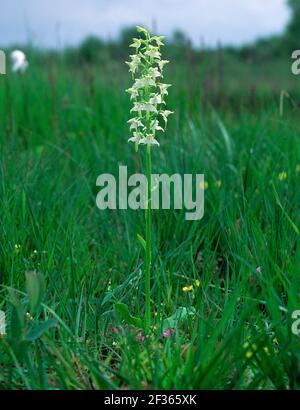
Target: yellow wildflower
282,176
17,248
188,288
204,185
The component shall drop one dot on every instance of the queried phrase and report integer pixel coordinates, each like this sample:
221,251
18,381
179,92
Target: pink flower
140,337
168,332
118,330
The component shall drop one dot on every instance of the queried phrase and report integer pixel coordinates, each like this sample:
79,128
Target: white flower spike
19,61
147,93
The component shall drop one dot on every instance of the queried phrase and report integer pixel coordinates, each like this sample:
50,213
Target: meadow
226,285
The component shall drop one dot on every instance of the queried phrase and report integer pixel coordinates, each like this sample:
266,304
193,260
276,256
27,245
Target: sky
57,23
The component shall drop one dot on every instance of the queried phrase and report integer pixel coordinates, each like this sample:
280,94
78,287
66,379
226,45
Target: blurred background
67,22
237,46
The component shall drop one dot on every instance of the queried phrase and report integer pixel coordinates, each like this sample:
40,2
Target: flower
137,42
165,114
142,30
204,185
218,183
154,73
133,91
19,61
149,140
135,123
140,337
154,126
144,82
164,89
159,40
147,106
162,63
156,99
118,330
249,354
282,176
136,138
197,283
168,332
17,248
147,92
28,316
188,288
153,52
134,63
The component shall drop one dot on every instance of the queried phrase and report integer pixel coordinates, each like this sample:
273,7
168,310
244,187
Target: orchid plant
149,116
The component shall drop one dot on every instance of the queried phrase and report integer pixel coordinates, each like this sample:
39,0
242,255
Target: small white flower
146,106
19,61
155,126
137,42
155,99
158,40
154,73
134,63
164,88
149,140
135,59
2,323
144,82
135,123
134,93
142,30
137,136
153,53
162,63
165,114
137,107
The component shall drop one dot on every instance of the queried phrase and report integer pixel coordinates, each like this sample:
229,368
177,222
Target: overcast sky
60,22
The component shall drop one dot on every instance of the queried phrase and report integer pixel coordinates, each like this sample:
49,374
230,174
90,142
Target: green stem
148,243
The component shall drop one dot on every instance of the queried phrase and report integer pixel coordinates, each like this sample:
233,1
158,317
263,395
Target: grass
60,129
